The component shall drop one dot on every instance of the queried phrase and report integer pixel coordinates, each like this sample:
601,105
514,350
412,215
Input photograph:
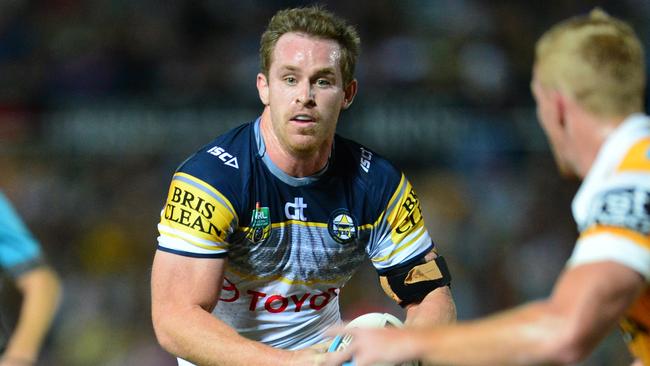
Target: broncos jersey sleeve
613,206
612,210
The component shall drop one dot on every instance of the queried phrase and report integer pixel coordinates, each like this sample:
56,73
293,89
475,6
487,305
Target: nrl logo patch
260,224
342,226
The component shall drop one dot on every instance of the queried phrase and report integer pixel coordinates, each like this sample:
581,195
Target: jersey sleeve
196,219
399,235
19,250
618,225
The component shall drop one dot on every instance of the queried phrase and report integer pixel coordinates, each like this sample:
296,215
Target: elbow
569,348
56,286
165,341
163,336
560,336
51,284
164,332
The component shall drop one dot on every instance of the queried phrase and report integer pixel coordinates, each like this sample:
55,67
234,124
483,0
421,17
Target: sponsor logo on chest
277,303
296,210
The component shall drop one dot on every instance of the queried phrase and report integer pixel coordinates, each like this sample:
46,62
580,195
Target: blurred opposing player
264,225
588,82
21,259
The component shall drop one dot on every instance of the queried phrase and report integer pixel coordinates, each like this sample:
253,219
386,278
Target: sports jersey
612,210
291,243
19,251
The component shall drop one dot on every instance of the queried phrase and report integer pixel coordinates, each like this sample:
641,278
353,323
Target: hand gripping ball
369,320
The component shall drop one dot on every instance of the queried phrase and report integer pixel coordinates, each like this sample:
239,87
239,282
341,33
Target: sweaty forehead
301,50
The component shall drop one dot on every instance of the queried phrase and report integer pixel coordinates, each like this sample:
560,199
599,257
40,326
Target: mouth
303,118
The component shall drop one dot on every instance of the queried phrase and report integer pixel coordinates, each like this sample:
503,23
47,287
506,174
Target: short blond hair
317,22
598,60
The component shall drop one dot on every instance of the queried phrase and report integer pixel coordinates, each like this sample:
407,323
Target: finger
321,347
337,358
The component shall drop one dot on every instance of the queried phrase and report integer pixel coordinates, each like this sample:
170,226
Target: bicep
179,281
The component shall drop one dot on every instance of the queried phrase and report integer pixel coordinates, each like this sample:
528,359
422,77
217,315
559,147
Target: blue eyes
290,80
323,82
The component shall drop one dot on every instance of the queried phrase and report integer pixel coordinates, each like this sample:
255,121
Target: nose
306,94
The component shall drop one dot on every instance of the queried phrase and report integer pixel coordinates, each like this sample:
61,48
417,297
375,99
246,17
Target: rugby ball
369,320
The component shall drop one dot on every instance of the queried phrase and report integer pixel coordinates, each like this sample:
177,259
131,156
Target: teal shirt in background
19,250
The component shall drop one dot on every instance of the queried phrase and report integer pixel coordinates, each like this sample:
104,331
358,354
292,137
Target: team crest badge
260,224
342,226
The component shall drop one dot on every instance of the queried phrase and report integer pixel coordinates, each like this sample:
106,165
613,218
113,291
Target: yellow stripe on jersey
195,208
300,223
400,248
217,246
636,237
367,226
280,278
405,216
637,158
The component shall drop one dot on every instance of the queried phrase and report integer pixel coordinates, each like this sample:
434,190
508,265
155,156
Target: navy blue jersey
291,243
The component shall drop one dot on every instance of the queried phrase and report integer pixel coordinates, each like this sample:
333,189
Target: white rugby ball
375,320
369,320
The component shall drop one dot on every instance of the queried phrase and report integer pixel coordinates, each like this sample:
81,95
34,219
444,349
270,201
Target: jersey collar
277,172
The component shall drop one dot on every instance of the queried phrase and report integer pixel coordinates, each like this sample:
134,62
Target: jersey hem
193,255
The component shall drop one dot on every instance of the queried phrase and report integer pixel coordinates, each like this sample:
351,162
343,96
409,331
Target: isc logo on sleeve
224,156
366,157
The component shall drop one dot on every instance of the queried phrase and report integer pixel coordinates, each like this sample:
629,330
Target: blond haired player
588,82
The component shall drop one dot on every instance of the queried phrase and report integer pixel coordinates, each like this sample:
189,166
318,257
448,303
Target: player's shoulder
224,161
366,164
636,158
628,147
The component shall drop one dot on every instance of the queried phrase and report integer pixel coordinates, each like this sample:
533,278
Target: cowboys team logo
342,227
260,224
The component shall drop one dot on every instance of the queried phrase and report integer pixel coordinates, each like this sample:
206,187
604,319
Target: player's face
550,118
304,91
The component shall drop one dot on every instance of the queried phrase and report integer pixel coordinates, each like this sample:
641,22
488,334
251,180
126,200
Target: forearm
41,294
195,335
437,308
529,335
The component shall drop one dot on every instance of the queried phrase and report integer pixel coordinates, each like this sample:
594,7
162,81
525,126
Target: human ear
263,88
350,92
559,102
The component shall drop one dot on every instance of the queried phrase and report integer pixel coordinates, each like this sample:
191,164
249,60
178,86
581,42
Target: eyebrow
326,71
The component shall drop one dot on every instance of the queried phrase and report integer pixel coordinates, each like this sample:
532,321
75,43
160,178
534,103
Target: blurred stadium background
100,100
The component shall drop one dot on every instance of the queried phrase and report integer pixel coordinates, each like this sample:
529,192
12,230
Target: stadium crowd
100,99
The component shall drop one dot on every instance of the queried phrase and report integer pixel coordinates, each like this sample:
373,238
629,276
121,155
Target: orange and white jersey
612,210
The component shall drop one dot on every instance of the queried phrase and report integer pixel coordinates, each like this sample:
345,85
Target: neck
591,133
295,163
